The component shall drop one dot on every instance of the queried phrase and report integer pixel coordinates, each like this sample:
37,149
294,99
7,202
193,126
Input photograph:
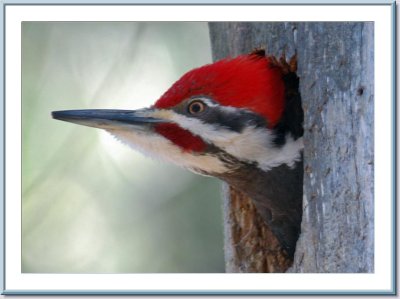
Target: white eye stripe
213,104
210,103
206,101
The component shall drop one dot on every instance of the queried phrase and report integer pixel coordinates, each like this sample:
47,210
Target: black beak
108,118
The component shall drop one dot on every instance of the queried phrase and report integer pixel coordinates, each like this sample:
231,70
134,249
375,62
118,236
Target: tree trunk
335,66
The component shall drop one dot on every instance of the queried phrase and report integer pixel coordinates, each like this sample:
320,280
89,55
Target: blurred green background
89,203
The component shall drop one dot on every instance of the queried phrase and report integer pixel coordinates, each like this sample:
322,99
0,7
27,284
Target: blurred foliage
89,203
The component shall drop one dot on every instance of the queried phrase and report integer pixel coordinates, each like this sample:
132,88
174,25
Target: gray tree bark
335,66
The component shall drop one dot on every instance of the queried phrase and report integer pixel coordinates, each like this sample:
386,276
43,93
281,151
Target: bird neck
274,188
277,196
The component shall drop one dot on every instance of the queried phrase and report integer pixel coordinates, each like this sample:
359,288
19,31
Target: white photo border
14,282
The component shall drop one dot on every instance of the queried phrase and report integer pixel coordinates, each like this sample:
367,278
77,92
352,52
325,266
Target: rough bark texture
335,66
250,246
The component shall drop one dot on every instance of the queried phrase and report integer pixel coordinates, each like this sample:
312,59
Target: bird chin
157,147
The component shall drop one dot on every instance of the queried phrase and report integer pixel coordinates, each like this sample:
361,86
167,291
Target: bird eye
196,107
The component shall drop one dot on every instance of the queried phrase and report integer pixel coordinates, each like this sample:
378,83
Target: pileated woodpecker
235,119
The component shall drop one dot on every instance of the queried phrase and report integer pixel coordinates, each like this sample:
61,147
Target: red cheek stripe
181,137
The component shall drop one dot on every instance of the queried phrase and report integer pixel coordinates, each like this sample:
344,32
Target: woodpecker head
235,119
214,120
